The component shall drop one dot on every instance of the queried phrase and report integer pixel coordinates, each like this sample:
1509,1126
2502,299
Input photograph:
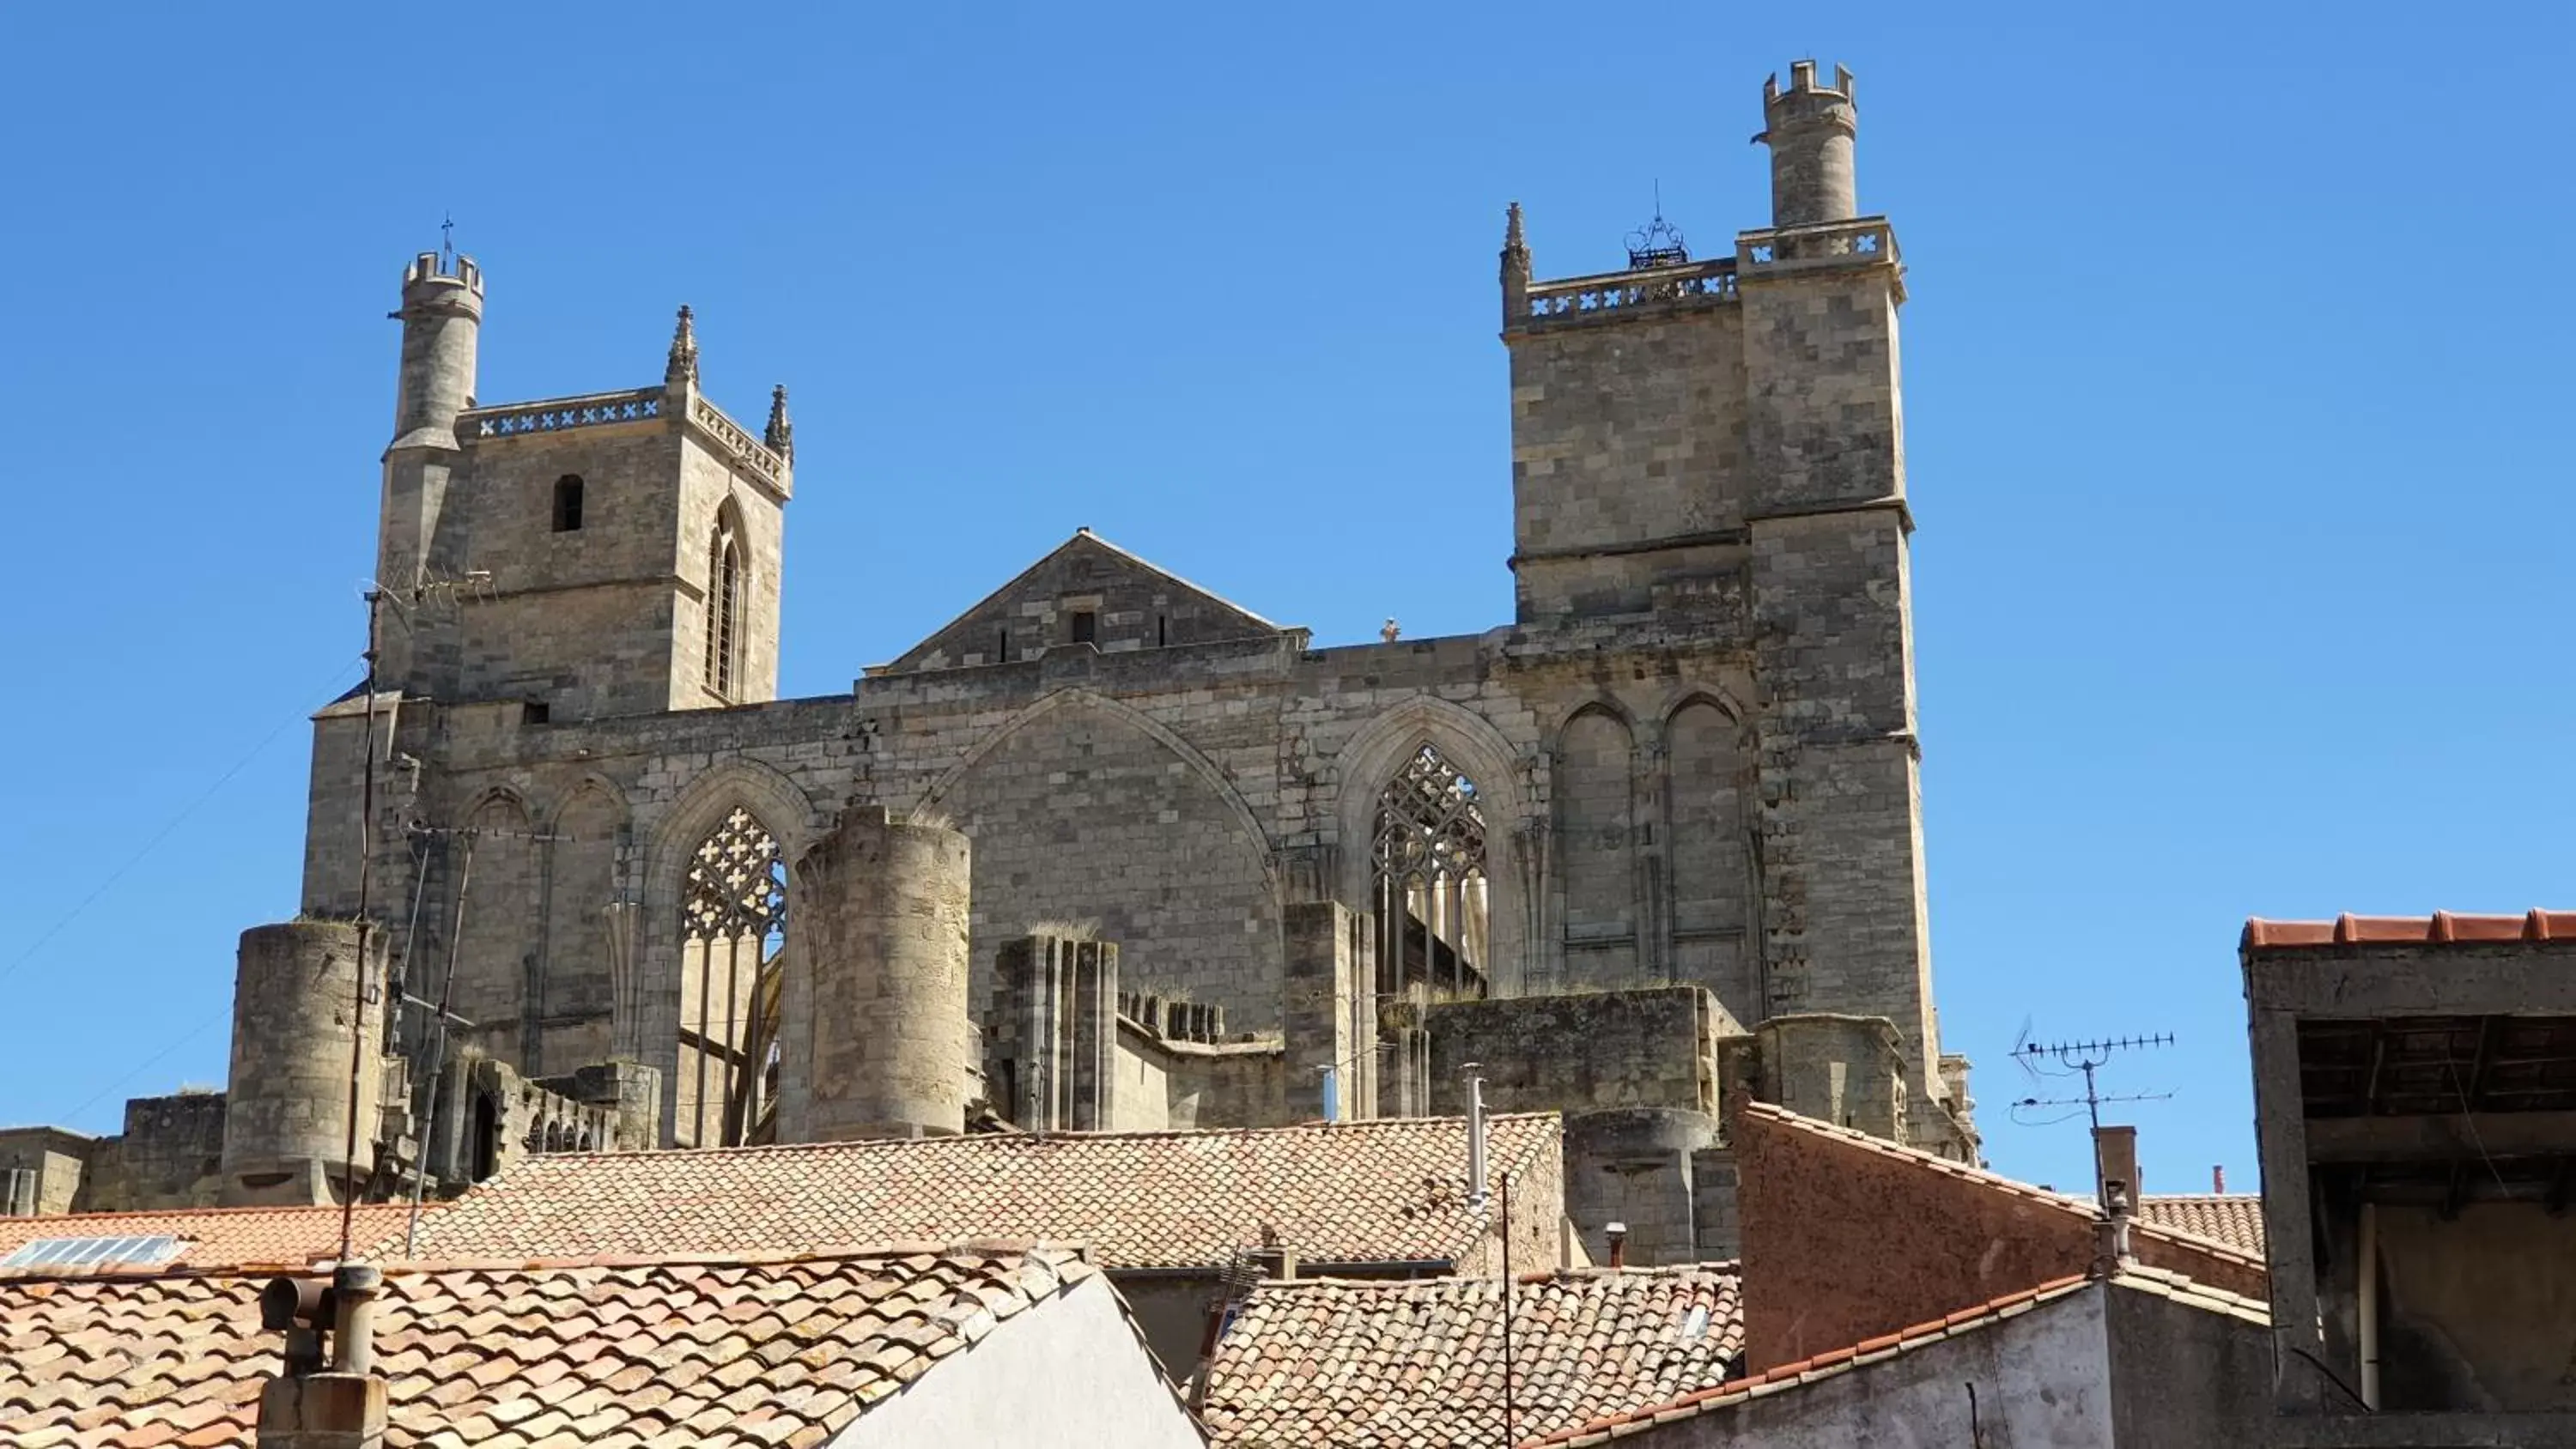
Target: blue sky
2233,375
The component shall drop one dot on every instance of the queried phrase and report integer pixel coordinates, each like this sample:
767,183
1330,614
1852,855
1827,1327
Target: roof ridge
1589,1272
898,1144
235,1210
2245,1197
1057,1250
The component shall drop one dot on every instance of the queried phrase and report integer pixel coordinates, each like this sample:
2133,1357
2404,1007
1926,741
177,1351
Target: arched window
733,917
724,607
1428,873
568,503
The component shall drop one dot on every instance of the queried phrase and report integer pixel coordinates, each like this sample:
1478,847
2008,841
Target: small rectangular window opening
1086,627
1002,648
568,503
1162,631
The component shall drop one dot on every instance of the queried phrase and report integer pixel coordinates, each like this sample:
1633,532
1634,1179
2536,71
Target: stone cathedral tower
1718,446
611,554
1651,846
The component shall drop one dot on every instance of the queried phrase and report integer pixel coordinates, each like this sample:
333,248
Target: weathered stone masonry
1693,750
1689,760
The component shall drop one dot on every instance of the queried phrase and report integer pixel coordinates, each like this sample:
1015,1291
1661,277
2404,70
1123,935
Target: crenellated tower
604,554
1810,130
1714,448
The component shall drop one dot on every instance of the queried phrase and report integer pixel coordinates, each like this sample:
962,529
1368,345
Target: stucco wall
1068,1374
2038,1381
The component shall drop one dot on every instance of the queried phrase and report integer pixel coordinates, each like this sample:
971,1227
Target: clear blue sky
2234,368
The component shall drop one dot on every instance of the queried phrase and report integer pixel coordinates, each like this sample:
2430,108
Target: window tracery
733,922
1427,857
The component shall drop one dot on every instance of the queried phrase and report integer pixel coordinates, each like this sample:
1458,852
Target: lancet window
1428,868
724,609
733,919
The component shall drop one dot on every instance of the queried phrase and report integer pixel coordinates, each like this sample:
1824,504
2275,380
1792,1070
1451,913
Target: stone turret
889,1049
1809,128
287,1118
442,318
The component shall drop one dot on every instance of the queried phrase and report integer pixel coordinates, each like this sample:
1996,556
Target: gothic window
568,503
1428,872
733,919
724,609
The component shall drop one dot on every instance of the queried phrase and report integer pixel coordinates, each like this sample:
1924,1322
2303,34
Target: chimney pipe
2115,1159
309,1406
1475,1136
353,1332
1618,1235
2218,1179
2111,1235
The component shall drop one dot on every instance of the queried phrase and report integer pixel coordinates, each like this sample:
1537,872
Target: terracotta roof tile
730,1353
2439,928
1418,1362
264,1237
1339,1193
2234,1218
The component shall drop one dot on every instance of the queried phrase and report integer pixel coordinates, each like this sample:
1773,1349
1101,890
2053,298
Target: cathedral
1105,850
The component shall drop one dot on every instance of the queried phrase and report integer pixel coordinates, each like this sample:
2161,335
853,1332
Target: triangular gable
1131,605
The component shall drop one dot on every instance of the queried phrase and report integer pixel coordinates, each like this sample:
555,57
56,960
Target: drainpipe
2368,1262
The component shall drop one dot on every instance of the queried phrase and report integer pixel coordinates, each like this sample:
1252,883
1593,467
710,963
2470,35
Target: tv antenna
2084,1058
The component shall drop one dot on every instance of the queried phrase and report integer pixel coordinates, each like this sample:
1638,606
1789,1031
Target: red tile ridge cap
1831,1361
2441,928
898,1144
1587,1273
2030,1192
1058,1250
253,1210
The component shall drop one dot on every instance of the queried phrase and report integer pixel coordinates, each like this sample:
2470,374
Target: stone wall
1645,1048
170,1155
53,1162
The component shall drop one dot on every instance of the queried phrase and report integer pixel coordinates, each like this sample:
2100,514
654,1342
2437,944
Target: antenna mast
2085,1058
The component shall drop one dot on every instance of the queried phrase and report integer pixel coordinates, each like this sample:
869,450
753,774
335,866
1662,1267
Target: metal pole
358,1004
438,1048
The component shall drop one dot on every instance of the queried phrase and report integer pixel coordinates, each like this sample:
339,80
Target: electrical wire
147,1064
192,807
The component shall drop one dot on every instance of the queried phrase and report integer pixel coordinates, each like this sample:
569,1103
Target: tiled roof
265,1237
2234,1218
2439,928
1418,1363
1339,1193
2140,1226
603,1354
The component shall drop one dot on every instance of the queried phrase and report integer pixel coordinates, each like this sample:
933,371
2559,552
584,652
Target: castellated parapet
287,1119
881,905
1810,129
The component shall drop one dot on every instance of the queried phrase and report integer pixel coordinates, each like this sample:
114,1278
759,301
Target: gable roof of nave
1104,560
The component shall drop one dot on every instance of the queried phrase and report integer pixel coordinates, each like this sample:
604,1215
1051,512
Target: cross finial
447,242
683,366
780,434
